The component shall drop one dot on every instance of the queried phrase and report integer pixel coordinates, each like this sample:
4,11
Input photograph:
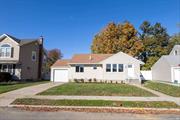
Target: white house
110,67
167,68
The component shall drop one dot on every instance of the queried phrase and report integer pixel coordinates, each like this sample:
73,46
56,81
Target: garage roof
61,63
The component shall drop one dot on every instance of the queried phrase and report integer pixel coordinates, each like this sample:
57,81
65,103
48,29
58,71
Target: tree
174,40
51,57
155,40
117,37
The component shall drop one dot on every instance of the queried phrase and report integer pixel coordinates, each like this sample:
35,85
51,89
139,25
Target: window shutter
12,52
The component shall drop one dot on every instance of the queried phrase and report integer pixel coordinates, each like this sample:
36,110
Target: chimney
41,39
90,57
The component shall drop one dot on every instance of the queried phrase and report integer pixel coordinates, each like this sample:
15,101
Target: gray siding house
167,68
101,67
21,57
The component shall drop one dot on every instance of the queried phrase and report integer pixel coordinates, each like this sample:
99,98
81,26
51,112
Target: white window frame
34,55
79,68
6,49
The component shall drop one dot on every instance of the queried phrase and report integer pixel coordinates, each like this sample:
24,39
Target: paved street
16,114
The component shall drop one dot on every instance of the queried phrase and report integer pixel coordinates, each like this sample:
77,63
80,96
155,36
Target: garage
176,75
60,75
59,71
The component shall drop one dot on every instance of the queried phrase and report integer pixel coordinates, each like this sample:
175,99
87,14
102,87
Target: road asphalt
17,114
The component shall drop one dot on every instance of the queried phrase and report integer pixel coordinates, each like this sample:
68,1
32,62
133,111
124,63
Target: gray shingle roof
22,41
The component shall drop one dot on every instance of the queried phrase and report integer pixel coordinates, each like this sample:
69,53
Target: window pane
77,68
129,66
108,67
114,67
5,45
94,66
120,67
81,69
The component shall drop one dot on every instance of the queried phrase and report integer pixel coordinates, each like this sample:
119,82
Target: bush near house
5,77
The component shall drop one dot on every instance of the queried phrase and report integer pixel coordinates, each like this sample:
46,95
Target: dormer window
5,50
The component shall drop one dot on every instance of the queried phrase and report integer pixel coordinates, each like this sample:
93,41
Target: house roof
21,41
63,62
172,60
88,58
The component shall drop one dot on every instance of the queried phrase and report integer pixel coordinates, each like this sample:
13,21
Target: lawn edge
136,110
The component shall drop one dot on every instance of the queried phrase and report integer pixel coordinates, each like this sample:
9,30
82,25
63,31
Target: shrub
90,80
82,80
5,77
75,80
95,80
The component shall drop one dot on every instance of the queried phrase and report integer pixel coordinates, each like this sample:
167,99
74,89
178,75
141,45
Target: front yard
6,87
105,103
97,89
164,88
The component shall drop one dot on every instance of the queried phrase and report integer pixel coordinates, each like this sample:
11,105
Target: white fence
146,75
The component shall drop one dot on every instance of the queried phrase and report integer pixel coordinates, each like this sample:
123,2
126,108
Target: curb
45,108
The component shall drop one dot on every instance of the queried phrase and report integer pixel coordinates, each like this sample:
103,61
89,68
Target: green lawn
6,87
96,89
164,88
140,104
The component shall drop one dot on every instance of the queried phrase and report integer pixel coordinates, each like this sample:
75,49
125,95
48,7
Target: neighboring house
110,67
21,57
167,68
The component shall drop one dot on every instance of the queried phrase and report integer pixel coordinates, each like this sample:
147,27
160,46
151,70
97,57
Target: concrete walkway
7,98
160,97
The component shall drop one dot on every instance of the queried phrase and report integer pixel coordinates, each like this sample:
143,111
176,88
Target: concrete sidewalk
7,98
160,97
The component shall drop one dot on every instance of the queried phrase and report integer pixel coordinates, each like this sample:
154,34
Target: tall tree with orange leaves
117,37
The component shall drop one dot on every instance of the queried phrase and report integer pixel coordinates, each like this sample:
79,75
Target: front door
130,68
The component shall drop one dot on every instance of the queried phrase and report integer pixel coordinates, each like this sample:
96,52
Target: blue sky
70,25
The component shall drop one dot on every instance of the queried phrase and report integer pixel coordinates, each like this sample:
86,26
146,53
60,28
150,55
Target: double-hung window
108,67
5,50
120,67
114,67
79,68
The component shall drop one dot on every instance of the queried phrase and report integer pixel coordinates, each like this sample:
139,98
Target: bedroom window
114,67
5,50
79,68
120,68
108,67
33,56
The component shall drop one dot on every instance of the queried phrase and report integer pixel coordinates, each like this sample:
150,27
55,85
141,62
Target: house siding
15,47
89,72
161,70
120,58
29,68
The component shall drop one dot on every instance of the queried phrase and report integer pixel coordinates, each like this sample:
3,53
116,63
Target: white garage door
60,75
177,75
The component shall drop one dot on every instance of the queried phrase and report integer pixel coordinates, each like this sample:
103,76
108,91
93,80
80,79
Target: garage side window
79,68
